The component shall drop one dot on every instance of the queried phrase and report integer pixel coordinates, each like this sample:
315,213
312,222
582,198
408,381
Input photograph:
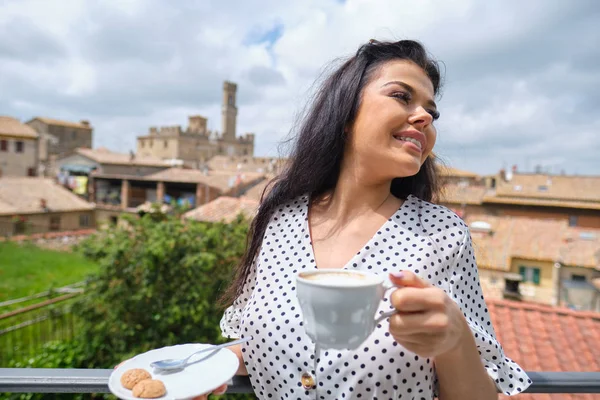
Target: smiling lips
412,136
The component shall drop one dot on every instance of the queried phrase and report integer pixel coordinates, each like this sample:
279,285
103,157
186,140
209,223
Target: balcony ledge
49,380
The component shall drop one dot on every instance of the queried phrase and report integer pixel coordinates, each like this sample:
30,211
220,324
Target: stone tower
229,111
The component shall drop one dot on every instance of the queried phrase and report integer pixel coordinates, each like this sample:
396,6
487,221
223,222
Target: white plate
194,380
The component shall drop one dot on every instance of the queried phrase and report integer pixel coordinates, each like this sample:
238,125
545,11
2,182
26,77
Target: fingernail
397,275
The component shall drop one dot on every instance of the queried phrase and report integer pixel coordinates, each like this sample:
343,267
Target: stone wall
19,164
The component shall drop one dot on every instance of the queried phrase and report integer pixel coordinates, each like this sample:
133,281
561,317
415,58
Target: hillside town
536,235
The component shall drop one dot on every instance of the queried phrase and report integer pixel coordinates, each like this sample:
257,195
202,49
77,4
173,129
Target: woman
356,195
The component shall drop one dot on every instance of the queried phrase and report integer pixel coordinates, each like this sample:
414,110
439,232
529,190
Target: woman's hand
428,322
217,392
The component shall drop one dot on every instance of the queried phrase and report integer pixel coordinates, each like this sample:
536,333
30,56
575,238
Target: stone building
58,139
30,205
18,148
196,144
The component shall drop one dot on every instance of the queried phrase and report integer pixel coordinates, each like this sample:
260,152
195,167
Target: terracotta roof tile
51,121
545,338
225,209
456,193
533,239
22,196
223,180
558,187
13,127
532,201
256,191
105,156
247,164
445,170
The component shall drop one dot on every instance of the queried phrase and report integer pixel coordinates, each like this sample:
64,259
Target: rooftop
23,196
104,156
446,170
558,187
462,194
12,127
57,122
223,180
256,191
224,209
246,164
547,338
532,239
567,191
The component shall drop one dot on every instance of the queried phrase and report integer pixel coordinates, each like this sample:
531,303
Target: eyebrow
411,90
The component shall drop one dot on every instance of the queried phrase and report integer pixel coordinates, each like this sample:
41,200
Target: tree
158,285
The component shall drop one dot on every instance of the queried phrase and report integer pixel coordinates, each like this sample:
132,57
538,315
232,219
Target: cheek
431,138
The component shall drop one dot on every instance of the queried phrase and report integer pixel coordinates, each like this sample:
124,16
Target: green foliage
158,285
52,355
26,270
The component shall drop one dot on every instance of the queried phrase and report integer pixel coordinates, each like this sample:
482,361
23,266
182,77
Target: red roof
545,338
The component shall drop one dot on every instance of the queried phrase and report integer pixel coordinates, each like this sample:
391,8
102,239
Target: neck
356,193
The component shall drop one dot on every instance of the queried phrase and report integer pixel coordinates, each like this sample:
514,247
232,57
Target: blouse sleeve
230,322
465,290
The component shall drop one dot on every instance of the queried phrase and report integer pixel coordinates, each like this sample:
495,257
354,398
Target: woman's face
392,134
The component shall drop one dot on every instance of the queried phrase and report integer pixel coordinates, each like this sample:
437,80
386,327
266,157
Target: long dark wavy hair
316,157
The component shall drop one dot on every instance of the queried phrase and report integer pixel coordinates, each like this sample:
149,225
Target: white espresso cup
339,306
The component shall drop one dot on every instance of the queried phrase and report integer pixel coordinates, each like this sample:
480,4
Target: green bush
158,284
51,355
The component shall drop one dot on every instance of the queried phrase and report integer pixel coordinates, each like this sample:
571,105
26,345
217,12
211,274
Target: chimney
85,122
131,155
44,205
503,174
511,287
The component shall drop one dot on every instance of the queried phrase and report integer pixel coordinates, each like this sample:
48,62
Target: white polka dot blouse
427,239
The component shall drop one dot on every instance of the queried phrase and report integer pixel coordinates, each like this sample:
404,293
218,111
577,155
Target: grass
26,269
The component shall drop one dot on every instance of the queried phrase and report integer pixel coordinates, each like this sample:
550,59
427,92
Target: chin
407,167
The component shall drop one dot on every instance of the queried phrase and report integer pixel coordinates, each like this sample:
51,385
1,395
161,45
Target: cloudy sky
522,77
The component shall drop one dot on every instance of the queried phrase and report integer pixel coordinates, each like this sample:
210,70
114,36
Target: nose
420,118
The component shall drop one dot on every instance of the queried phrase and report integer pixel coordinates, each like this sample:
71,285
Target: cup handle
387,284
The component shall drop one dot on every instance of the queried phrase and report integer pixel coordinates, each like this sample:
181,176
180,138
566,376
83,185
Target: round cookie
149,389
131,377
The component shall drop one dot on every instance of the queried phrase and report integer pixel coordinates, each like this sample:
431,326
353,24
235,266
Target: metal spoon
182,363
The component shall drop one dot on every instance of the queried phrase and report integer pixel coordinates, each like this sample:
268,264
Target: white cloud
518,77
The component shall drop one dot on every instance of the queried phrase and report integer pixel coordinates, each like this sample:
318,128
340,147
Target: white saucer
194,380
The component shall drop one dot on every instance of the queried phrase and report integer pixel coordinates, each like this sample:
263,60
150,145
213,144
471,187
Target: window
3,145
73,135
113,220
530,274
572,220
19,147
141,144
166,144
84,220
54,223
578,278
20,227
30,171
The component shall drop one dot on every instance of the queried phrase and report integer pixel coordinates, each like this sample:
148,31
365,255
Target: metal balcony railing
47,380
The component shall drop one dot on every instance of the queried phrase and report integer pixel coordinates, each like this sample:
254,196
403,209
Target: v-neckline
368,243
